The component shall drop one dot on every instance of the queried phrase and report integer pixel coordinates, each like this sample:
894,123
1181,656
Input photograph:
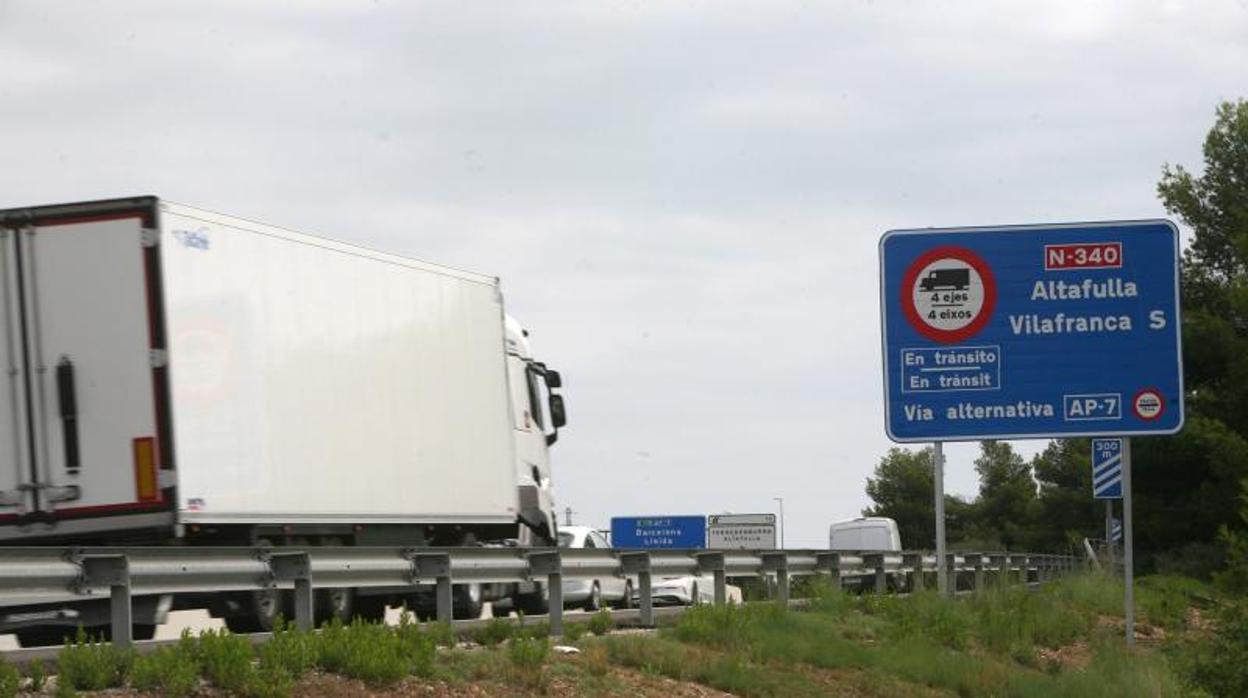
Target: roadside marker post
1032,332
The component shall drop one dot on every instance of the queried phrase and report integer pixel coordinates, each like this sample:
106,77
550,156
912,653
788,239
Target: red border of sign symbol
1161,404
985,311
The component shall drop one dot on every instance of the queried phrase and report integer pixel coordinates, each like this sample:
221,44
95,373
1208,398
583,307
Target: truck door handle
67,398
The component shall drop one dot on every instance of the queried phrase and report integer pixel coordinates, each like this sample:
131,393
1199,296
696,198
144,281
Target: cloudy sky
683,199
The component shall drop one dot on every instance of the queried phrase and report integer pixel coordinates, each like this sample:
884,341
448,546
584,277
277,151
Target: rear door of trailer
83,401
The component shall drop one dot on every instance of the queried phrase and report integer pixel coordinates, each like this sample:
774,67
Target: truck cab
537,415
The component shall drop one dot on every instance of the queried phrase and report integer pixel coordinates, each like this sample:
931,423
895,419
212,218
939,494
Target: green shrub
1165,600
601,622
227,660
1219,664
290,650
495,632
535,631
10,680
573,632
422,647
91,665
169,671
441,633
928,615
526,657
370,652
38,675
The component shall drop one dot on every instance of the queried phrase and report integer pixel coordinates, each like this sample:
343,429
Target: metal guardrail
58,575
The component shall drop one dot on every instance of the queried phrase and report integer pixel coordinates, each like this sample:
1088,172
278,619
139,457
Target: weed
441,633
367,651
927,614
93,665
422,647
597,660
290,650
601,622
227,660
536,631
38,675
10,680
168,671
573,632
495,632
526,657
269,682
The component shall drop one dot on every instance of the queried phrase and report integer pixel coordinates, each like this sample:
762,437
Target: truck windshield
535,399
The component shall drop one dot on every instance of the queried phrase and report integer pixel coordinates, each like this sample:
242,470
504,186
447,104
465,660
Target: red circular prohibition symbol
1161,404
985,311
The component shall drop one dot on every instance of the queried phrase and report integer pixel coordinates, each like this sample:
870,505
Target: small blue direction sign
1107,468
1115,530
657,532
1031,331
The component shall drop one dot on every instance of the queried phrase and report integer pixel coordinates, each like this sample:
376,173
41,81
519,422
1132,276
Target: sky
683,199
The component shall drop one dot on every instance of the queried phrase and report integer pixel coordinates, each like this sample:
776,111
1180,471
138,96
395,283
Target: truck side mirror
558,417
553,379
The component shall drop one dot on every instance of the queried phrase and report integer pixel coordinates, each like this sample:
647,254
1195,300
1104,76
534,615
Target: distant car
592,594
870,533
681,590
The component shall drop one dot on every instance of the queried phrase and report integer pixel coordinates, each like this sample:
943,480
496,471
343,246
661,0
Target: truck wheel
370,608
466,602
45,636
594,602
535,604
336,602
627,601
262,608
143,631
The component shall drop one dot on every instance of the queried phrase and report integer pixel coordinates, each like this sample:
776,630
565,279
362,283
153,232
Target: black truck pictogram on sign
956,279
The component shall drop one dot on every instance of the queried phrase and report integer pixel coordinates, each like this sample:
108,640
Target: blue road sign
1115,530
1107,468
1031,331
658,532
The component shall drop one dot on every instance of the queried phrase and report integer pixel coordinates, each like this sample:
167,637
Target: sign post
938,479
1026,332
1128,543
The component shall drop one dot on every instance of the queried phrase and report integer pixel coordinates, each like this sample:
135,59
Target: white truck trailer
171,375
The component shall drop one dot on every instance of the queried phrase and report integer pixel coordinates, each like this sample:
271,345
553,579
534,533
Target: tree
1006,493
903,490
1066,513
1188,486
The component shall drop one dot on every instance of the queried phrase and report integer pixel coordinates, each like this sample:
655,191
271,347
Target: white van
875,533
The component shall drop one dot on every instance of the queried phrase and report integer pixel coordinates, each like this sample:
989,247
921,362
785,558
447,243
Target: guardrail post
639,564
876,562
112,571
714,564
831,563
1020,561
951,569
914,563
547,563
977,563
778,562
294,567
436,566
